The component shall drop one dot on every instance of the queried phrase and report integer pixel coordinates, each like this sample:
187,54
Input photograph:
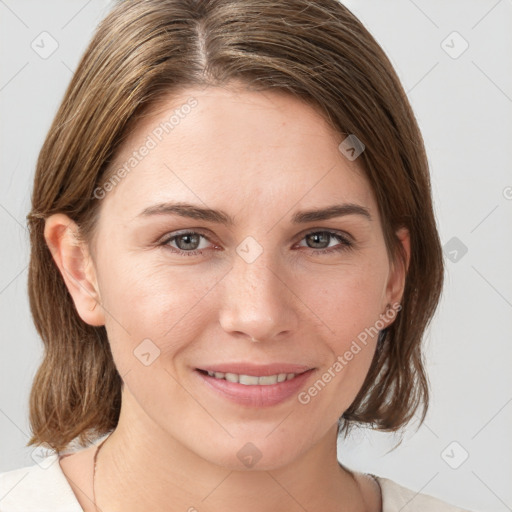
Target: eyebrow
192,211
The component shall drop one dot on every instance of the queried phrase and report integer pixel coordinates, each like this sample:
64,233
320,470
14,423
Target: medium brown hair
145,50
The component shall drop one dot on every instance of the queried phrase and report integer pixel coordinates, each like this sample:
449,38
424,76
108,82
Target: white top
43,487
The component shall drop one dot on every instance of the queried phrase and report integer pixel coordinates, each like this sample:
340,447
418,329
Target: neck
142,467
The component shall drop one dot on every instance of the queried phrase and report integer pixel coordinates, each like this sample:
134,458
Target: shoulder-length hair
145,50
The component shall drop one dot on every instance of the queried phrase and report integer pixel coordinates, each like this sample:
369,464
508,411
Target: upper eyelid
339,232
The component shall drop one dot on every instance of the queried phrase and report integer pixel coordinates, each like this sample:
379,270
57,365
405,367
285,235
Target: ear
74,261
398,271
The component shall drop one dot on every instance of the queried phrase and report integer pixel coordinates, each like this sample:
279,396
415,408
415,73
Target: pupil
320,238
188,237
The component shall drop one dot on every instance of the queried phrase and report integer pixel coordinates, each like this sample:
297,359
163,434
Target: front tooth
219,375
211,374
231,377
290,376
281,377
270,379
248,380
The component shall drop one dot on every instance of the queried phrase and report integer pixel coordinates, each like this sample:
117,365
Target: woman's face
203,243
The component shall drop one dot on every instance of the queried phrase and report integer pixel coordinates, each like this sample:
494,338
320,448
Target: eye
188,243
321,240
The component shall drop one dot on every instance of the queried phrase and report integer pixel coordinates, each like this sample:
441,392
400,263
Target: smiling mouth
250,380
251,385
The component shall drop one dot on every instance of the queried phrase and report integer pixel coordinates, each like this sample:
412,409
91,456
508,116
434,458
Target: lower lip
257,396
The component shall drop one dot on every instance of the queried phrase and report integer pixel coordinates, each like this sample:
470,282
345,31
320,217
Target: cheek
148,300
348,302
347,299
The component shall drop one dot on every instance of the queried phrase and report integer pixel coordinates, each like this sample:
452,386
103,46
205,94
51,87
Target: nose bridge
256,302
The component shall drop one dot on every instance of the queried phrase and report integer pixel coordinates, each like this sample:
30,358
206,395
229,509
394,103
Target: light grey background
463,102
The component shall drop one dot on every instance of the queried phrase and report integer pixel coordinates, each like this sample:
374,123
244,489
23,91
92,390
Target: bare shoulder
77,468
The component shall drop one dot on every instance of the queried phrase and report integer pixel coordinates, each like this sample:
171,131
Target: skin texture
260,157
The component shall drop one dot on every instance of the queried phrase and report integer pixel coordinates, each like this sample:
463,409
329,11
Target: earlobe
75,264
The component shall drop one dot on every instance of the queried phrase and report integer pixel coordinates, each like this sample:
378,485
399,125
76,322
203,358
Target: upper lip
255,370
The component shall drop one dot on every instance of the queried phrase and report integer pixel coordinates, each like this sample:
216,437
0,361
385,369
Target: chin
246,454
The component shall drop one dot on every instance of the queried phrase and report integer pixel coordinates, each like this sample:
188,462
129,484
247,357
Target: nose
257,302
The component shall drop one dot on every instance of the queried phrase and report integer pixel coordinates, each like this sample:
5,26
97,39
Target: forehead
231,146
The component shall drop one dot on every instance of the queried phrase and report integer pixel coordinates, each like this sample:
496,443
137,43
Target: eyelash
346,244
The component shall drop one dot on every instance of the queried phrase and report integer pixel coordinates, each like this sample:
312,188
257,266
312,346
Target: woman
234,259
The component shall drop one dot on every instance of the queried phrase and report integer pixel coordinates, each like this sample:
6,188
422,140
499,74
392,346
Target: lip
254,369
255,396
